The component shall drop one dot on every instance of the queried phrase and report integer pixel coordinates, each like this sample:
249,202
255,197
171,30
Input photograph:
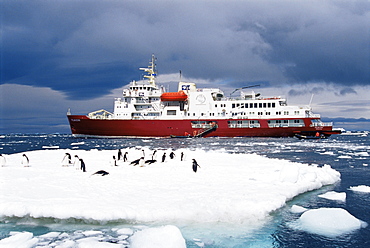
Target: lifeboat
174,96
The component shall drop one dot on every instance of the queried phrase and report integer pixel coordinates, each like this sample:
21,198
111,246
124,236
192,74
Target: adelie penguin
101,173
25,161
195,165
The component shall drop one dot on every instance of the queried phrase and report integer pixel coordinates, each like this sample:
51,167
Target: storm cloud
85,49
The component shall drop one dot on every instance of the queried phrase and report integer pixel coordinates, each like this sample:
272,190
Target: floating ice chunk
93,242
330,222
125,231
19,240
360,188
161,237
344,156
332,195
297,209
50,235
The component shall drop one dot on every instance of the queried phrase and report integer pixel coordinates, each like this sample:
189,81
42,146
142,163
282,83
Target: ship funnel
187,87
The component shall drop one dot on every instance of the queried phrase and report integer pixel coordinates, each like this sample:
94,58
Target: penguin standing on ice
182,156
172,155
76,163
119,154
154,155
2,160
163,157
195,165
83,166
114,161
66,161
25,161
125,157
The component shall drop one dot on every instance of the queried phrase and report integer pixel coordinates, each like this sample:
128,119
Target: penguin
101,172
182,156
125,157
141,162
25,161
154,155
163,157
2,160
172,155
83,166
195,165
150,161
114,161
66,161
135,162
119,154
76,163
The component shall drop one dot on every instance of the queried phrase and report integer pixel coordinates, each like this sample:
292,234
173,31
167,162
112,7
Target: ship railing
286,125
100,114
313,115
322,124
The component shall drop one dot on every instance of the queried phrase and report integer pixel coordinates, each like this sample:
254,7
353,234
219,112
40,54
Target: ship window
278,113
273,105
233,105
264,105
269,104
171,112
286,112
260,105
260,113
296,112
215,105
246,105
255,105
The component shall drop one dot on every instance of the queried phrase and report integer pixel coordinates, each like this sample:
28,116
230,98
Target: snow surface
162,237
329,222
228,188
360,188
332,195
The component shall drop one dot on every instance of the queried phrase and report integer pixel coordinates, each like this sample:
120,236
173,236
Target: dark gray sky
85,50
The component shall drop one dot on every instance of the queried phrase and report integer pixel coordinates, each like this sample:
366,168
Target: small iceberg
329,222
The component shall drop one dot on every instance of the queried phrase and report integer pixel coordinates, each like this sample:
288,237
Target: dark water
348,154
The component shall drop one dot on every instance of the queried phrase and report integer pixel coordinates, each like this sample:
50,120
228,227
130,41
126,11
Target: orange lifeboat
174,96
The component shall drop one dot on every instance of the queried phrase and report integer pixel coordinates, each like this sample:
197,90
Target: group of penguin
79,164
25,161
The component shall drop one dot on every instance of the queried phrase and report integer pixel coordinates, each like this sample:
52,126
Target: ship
147,110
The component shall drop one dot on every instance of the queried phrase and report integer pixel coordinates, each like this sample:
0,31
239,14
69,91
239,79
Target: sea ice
297,209
230,188
160,237
19,240
330,222
332,195
360,188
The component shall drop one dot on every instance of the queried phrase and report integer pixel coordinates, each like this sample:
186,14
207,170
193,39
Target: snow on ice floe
161,237
297,209
227,187
329,222
360,188
332,195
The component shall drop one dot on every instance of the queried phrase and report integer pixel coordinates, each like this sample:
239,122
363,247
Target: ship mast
151,71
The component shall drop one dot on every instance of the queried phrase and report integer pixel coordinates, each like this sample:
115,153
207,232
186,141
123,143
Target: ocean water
348,154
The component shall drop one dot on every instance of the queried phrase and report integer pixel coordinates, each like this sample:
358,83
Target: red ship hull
83,126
